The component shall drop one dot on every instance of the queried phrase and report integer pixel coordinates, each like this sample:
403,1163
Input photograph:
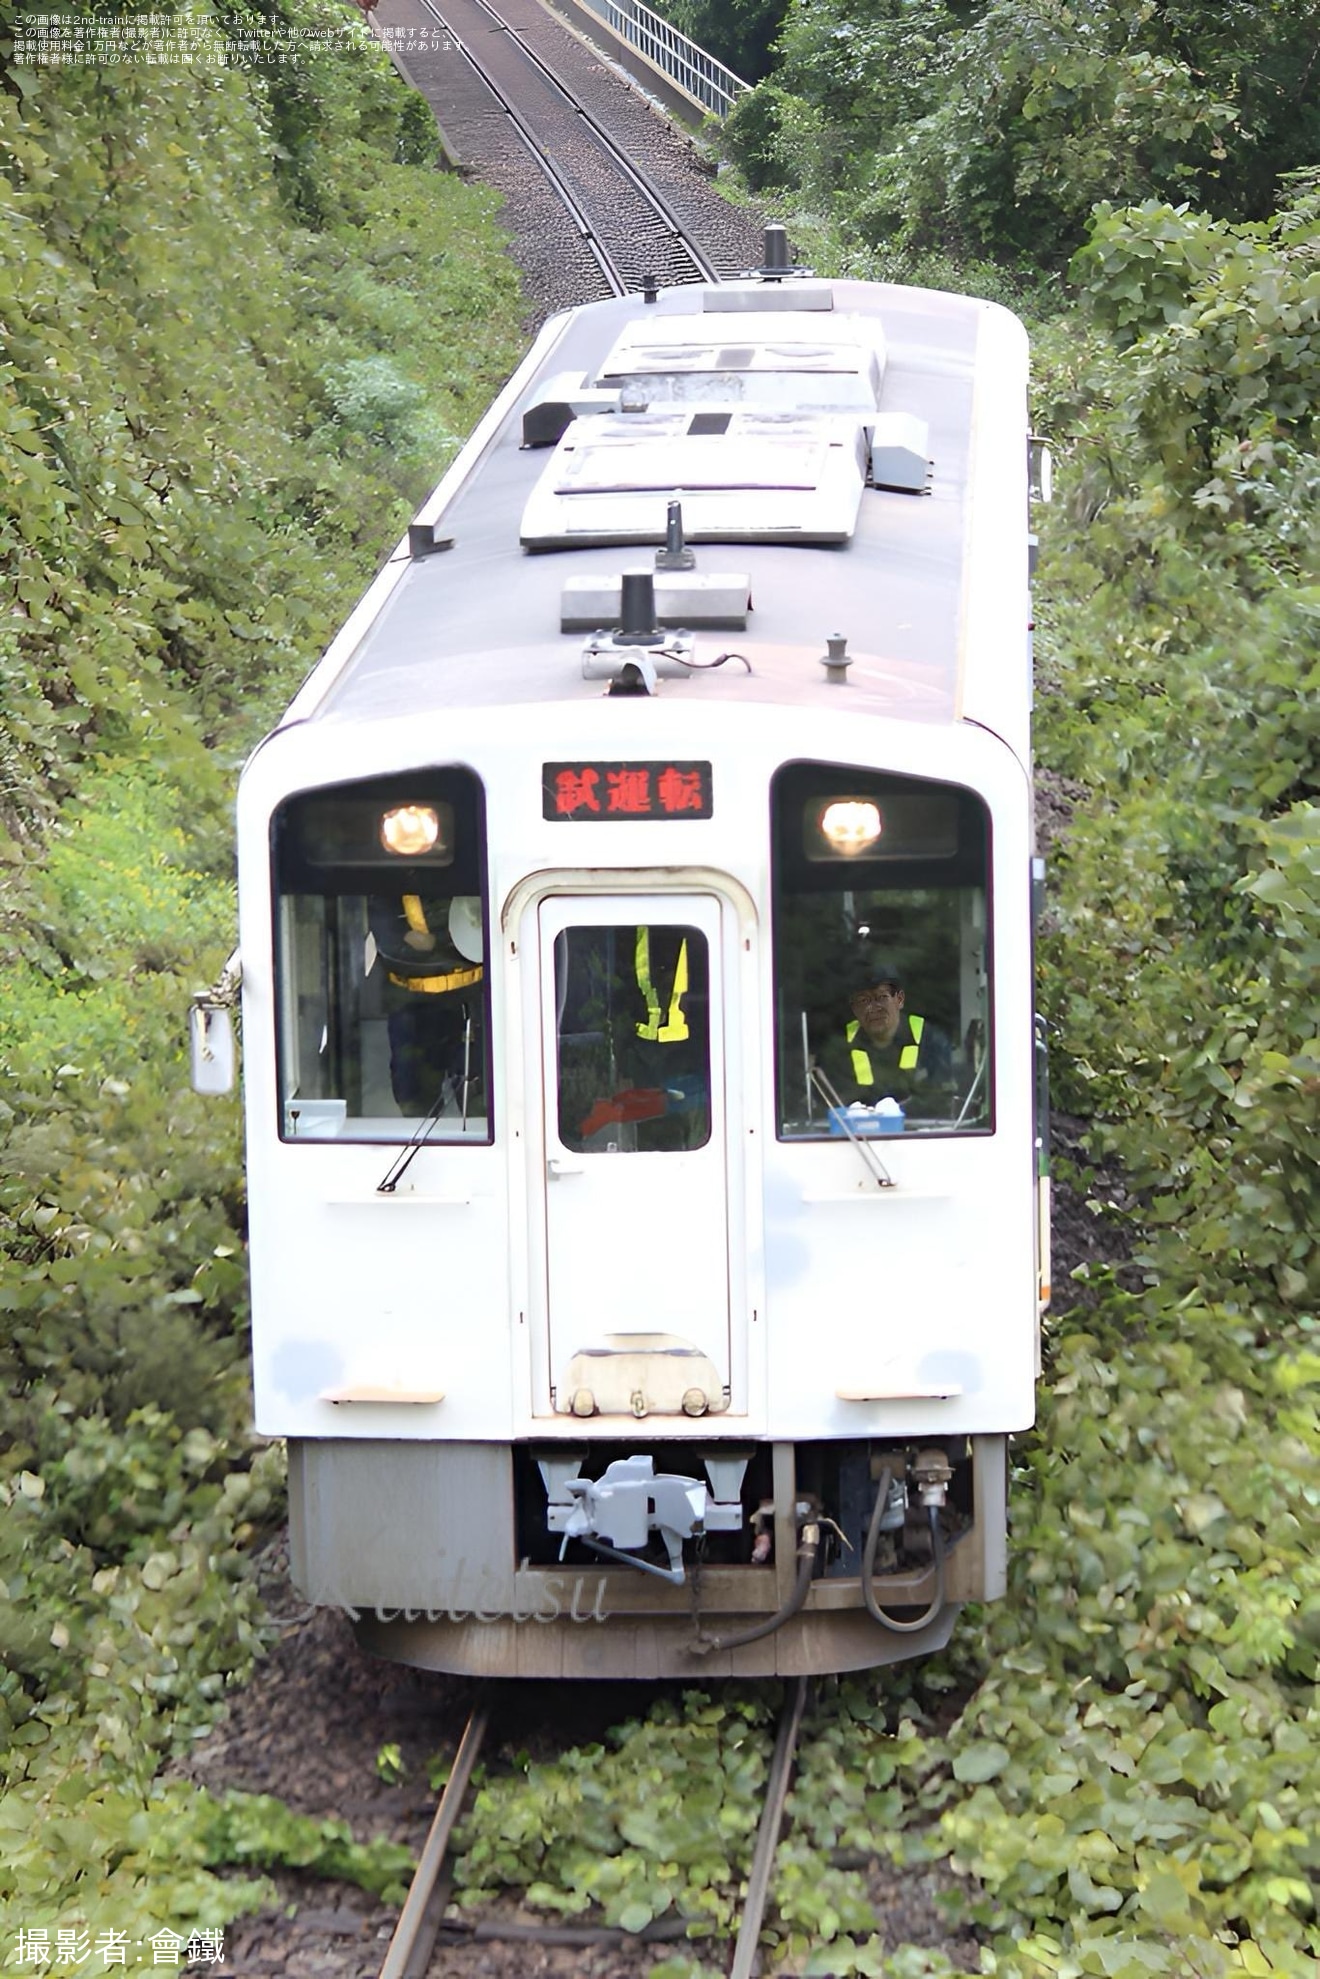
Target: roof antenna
675,555
650,288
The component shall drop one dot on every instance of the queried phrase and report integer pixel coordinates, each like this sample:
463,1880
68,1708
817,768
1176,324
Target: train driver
432,951
887,1051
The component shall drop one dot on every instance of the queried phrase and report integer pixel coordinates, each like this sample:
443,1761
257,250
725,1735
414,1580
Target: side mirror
211,1046
1040,469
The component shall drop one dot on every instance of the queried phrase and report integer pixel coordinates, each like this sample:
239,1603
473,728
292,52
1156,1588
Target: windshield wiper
972,1091
398,1168
870,1160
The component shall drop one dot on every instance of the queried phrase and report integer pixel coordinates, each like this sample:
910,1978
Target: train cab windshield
380,906
882,955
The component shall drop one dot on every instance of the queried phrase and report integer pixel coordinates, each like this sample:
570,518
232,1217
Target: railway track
633,230
421,1921
526,135
628,226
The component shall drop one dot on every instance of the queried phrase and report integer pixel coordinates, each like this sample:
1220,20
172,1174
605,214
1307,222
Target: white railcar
635,1299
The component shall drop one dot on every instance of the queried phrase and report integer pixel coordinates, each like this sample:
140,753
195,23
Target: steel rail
767,1835
559,184
646,186
420,1921
415,1933
617,156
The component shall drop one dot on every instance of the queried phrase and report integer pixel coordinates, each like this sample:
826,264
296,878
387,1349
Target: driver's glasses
879,998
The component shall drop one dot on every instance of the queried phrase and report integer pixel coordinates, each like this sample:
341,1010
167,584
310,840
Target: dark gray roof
479,623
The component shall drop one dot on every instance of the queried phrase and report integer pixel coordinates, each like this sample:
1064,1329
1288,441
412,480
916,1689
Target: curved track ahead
628,226
618,212
446,48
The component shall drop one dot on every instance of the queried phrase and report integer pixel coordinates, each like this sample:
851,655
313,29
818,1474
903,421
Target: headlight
410,829
851,826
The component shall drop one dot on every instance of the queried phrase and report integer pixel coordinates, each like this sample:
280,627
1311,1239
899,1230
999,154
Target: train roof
758,407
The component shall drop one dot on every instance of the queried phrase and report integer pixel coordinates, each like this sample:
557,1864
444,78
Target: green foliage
390,1766
126,1607
1140,264
116,913
120,1220
1140,1750
243,1830
1190,714
739,33
661,1819
1223,325
173,515
1142,1753
241,321
996,128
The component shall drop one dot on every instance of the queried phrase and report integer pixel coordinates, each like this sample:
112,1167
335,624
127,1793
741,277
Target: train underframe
513,1560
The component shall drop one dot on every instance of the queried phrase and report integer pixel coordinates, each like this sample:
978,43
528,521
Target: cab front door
634,1148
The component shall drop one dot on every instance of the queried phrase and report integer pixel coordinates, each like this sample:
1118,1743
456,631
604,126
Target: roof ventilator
636,652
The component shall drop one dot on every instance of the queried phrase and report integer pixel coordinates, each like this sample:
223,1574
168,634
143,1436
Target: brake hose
808,1547
868,1566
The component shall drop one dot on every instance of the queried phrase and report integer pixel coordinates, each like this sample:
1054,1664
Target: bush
995,129
180,541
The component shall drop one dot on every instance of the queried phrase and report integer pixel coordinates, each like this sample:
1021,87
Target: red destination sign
611,791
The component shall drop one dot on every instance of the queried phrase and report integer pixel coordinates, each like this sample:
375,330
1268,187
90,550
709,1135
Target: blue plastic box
865,1125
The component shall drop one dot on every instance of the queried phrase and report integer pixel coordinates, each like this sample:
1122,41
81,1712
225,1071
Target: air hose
808,1547
868,1566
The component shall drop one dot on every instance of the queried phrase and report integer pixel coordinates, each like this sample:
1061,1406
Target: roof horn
675,554
637,626
778,265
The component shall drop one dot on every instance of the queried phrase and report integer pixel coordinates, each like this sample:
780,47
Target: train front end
640,1061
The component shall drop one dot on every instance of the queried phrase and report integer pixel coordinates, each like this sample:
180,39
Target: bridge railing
704,79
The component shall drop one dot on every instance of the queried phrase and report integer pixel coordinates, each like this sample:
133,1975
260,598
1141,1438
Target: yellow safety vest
907,1057
674,1028
414,914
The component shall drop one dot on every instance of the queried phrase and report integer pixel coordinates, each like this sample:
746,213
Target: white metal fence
705,79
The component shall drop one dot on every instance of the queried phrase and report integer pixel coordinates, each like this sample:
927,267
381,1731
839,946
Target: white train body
635,1228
